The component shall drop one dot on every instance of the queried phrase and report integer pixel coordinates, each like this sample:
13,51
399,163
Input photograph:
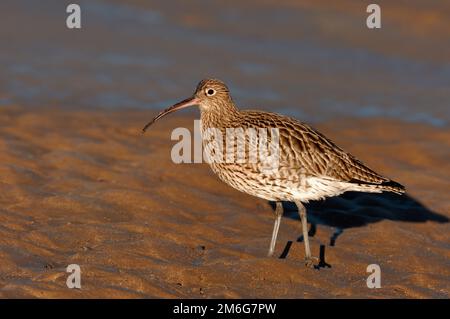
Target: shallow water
314,60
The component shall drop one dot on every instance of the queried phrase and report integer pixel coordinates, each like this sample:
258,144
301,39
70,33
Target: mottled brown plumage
310,165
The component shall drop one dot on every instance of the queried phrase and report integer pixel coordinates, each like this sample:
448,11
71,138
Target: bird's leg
302,212
276,227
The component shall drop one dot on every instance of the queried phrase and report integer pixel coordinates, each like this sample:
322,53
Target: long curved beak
180,105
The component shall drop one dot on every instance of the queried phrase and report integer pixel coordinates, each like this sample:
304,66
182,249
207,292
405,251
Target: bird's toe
309,261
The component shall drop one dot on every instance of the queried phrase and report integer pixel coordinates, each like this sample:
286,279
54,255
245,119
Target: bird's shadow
355,209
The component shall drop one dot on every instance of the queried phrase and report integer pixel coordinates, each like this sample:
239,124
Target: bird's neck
219,116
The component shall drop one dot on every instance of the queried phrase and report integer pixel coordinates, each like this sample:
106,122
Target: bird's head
211,95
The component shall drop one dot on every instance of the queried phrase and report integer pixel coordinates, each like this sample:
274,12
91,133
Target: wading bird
310,166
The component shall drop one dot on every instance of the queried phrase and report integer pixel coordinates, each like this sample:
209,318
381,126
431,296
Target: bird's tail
387,186
392,186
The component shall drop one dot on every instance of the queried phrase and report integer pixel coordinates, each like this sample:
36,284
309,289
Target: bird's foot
309,261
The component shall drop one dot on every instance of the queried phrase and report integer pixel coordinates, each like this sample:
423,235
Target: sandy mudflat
86,187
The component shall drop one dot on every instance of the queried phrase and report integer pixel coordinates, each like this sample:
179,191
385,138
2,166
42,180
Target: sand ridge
86,187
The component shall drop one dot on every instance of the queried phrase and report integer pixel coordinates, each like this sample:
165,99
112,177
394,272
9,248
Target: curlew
309,165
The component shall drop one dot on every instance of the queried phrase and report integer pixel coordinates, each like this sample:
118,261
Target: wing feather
304,147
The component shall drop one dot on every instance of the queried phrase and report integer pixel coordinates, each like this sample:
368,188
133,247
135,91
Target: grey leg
302,213
276,227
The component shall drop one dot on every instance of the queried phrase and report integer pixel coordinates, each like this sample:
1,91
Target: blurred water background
315,60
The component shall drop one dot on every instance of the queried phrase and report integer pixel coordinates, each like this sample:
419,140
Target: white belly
312,188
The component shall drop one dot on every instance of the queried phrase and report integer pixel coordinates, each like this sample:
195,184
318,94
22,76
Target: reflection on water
308,60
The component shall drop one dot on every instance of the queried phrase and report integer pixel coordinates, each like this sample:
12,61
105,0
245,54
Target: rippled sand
85,187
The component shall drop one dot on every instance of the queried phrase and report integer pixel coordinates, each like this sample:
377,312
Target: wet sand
85,187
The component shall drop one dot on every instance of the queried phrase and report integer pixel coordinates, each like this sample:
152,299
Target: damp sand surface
86,187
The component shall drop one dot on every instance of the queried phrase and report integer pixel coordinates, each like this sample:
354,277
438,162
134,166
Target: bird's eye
210,92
